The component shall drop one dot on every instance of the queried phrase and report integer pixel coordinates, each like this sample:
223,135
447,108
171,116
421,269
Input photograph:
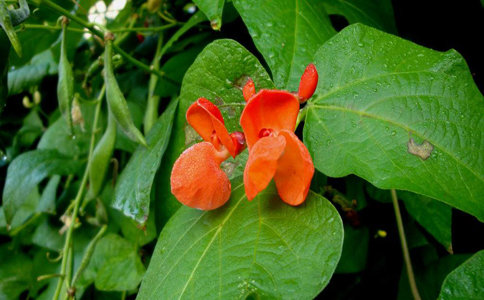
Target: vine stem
91,27
406,254
66,258
50,27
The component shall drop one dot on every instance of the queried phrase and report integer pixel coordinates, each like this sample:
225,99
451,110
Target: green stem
15,231
151,113
88,255
50,27
66,258
48,276
406,254
100,34
144,29
301,115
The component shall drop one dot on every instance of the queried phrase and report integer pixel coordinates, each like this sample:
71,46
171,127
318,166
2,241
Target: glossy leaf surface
264,248
400,116
132,193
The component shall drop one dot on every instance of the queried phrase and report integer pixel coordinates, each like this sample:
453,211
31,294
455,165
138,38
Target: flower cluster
275,152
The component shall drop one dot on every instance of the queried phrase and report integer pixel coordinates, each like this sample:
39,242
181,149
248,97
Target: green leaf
133,189
376,13
25,211
355,250
434,216
176,66
57,136
14,273
31,74
263,248
27,170
48,237
466,281
287,33
114,266
400,116
131,230
429,278
213,9
218,74
49,195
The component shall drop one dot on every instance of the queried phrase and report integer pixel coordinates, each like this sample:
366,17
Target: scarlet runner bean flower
269,121
197,179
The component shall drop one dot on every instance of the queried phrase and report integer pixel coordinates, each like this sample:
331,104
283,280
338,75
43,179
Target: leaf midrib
196,221
403,126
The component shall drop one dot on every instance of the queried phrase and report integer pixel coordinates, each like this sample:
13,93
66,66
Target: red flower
269,121
196,179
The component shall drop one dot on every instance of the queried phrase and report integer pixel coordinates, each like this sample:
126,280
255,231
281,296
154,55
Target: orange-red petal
270,109
295,169
197,180
262,164
249,89
308,83
206,118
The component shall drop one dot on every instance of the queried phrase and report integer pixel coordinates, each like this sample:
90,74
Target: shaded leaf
14,273
47,200
57,137
48,237
31,74
27,170
376,93
376,13
114,266
355,250
434,216
429,278
263,248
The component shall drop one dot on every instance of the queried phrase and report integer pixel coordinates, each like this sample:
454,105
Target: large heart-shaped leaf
466,281
400,116
288,33
262,248
218,74
27,170
133,189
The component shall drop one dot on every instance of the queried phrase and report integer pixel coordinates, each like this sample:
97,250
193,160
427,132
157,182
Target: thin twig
66,257
91,27
406,254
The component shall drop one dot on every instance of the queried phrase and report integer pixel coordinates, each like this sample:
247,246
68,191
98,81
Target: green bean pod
65,85
115,98
101,156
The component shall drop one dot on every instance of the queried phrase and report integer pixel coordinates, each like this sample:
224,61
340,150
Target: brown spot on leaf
422,150
240,81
